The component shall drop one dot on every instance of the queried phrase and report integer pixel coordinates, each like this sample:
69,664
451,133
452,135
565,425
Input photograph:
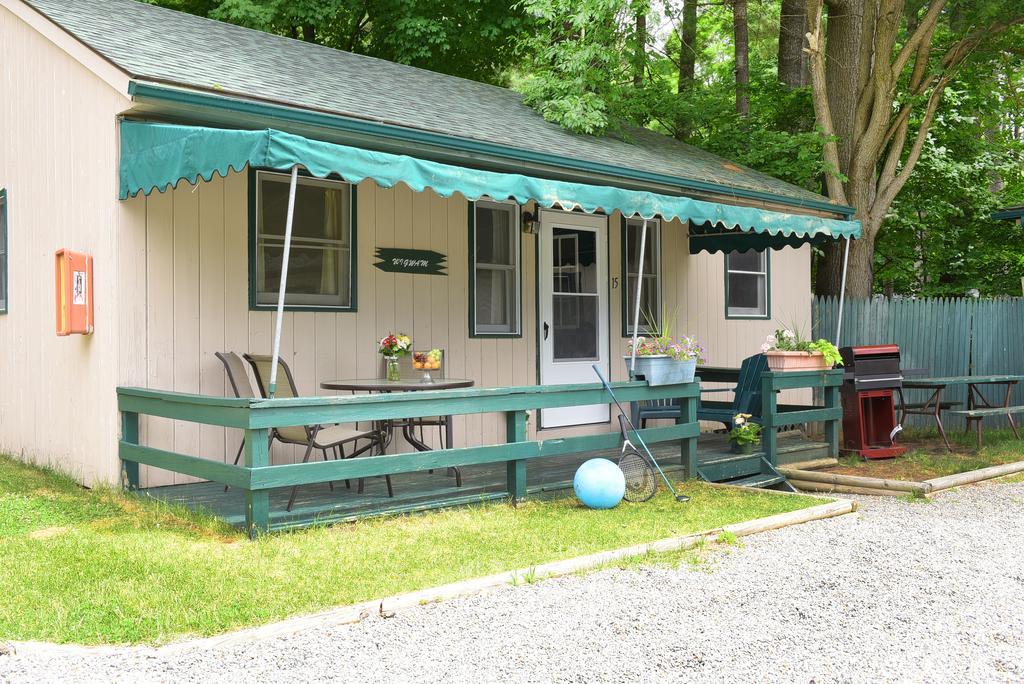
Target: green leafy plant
787,339
744,431
828,350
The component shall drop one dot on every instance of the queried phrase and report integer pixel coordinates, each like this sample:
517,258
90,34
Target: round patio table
403,385
381,385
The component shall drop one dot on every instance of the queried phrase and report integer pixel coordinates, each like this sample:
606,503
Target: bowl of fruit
427,361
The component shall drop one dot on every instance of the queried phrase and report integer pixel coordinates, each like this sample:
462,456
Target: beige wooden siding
58,155
195,300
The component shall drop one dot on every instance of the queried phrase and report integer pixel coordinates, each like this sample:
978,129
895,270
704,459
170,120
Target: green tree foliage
939,238
467,38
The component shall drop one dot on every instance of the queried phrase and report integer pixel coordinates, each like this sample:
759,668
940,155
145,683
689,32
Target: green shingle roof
156,44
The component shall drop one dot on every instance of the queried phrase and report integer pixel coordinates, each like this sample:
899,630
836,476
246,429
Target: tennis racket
646,452
640,481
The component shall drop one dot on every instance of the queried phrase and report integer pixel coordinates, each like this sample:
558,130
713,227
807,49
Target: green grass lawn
928,457
103,567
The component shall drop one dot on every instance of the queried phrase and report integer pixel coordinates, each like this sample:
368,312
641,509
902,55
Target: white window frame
344,244
746,311
653,244
515,327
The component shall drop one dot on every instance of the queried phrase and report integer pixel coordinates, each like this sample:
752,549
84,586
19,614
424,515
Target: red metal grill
869,412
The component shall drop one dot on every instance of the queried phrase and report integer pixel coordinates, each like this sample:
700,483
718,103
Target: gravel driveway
899,591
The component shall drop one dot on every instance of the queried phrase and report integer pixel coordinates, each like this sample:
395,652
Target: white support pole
842,290
639,289
272,389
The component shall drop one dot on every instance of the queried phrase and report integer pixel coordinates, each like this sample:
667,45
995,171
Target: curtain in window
332,231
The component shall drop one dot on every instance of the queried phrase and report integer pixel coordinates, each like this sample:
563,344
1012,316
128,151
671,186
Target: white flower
739,419
766,347
789,334
770,339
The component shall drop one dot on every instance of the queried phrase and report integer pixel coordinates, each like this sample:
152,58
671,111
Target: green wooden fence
946,336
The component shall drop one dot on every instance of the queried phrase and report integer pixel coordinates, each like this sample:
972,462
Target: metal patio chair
241,385
322,437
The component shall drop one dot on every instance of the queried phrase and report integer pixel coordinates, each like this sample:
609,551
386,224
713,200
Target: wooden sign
415,261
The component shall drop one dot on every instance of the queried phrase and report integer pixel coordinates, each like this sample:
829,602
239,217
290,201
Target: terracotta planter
782,361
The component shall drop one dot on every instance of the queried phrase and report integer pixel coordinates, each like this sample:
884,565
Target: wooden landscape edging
823,482
817,481
386,607
950,481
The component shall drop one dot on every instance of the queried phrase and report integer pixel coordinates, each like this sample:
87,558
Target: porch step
789,453
730,467
762,481
745,471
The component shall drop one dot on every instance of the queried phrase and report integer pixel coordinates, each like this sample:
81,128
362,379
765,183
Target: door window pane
747,284
495,268
575,300
320,261
650,298
574,261
575,327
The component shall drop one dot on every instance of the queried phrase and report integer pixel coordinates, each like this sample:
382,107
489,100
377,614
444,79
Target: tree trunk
842,54
640,49
842,58
687,47
741,44
793,69
860,269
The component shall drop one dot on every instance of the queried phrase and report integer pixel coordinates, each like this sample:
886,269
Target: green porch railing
254,416
775,415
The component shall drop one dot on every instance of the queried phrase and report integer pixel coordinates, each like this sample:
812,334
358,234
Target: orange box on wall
73,292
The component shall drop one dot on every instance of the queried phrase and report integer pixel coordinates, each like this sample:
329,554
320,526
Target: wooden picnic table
978,406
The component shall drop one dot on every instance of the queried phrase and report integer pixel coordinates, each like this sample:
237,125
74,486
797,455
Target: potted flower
391,347
665,360
787,351
744,435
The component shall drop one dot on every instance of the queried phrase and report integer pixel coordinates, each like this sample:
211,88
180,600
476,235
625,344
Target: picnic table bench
978,406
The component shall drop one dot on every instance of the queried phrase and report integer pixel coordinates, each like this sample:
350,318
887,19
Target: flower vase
745,448
392,372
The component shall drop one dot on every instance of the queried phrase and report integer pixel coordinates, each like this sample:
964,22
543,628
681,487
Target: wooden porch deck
423,490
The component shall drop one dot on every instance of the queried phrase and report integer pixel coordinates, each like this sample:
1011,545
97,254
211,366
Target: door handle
546,328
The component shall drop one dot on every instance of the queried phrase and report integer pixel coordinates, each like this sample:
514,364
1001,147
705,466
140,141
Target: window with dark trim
3,251
495,269
747,288
321,264
650,302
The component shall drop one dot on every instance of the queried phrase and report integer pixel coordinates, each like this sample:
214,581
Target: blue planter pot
663,370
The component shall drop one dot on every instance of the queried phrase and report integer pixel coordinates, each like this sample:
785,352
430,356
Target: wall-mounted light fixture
531,225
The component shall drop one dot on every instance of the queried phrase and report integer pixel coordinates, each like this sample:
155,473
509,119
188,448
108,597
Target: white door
573,309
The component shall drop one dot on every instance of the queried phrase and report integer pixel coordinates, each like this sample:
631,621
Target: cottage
161,145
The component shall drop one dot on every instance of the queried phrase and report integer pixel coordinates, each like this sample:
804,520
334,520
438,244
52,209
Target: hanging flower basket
665,360
663,369
782,361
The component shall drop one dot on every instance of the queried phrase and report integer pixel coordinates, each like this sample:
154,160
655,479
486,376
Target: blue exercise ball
599,483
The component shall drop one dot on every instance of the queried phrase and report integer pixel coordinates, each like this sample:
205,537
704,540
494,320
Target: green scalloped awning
157,156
